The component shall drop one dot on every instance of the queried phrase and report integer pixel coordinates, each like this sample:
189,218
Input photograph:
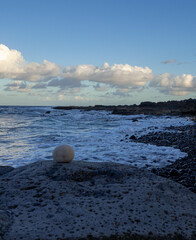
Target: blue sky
148,47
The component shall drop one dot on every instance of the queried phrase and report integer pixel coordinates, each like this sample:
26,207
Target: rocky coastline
88,200
183,170
183,108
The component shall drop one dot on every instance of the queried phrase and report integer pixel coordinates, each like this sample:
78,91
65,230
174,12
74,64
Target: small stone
133,137
174,173
63,154
135,120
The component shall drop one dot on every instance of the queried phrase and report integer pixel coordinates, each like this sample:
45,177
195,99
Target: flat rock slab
50,200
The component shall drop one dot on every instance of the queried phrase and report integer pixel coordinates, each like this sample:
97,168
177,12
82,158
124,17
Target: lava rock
133,137
174,173
5,222
5,169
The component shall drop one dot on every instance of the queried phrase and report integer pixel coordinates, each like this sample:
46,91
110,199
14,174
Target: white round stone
63,154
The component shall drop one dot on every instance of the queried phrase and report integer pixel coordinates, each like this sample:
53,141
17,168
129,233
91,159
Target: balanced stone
63,154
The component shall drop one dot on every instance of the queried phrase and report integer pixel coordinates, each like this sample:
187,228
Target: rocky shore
87,200
184,108
84,200
183,170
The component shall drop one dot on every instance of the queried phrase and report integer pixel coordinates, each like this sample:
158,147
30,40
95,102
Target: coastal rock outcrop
184,108
88,200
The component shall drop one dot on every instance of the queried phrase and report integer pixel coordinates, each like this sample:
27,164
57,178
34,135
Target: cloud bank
118,75
174,85
13,66
123,78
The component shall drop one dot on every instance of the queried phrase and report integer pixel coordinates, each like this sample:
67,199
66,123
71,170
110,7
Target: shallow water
28,134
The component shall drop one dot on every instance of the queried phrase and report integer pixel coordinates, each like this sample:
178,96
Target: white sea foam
28,135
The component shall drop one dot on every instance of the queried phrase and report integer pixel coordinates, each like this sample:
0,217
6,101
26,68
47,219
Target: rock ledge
50,200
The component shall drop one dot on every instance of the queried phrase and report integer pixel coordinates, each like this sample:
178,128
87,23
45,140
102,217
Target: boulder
63,154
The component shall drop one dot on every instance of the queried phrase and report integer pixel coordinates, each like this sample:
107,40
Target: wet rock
135,120
183,138
133,137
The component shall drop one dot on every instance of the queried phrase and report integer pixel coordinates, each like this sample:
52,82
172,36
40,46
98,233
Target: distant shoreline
183,108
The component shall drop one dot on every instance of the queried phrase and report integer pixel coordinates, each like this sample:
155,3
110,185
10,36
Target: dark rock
133,137
5,222
5,169
135,120
48,112
183,170
182,108
174,173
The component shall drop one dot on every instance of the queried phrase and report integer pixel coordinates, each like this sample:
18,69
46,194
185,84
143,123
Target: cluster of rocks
183,138
184,107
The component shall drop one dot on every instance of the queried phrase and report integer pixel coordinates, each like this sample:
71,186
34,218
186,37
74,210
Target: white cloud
80,98
60,97
117,75
13,66
174,85
119,79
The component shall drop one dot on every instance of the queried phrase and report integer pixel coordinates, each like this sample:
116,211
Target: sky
87,52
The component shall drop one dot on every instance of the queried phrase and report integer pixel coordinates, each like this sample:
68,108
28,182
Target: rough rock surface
49,200
5,169
5,222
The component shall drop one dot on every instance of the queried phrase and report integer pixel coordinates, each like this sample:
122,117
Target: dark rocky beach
182,171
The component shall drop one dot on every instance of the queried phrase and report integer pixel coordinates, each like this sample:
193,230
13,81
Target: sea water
29,134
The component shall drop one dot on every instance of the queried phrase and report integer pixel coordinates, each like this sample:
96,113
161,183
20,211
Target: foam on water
27,134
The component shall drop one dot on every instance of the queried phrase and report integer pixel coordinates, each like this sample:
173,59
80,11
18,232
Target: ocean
29,134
